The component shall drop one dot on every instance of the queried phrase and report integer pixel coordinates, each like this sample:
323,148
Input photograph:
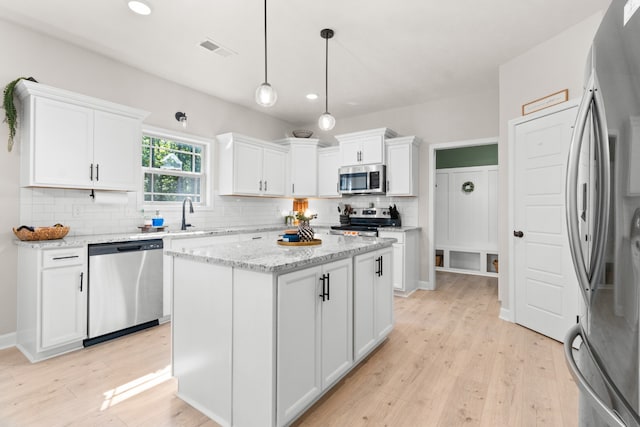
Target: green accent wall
479,155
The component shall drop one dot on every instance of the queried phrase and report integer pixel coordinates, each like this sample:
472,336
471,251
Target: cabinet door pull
379,270
265,185
324,293
381,265
97,172
260,185
91,172
387,185
293,189
81,280
57,258
328,287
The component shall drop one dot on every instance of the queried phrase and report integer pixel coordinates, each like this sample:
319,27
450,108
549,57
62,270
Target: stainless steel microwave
365,179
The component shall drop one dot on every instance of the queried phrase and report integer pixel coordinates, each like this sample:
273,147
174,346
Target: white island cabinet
262,331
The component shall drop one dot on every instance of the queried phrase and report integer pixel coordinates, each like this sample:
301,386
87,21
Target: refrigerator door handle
571,195
607,414
603,185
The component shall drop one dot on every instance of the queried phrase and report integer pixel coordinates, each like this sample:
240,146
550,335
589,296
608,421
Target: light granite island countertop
268,256
261,331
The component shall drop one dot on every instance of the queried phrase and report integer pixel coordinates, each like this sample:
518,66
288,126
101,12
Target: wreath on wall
468,187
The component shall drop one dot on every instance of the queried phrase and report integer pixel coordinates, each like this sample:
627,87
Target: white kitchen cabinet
366,147
372,300
52,301
74,141
406,255
329,171
250,167
315,346
302,166
403,160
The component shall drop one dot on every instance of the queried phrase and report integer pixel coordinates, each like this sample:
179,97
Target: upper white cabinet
250,167
403,160
328,171
75,141
302,166
366,147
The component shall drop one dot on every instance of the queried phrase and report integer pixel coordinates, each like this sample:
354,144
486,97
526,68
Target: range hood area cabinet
69,140
250,167
302,166
329,172
403,166
365,147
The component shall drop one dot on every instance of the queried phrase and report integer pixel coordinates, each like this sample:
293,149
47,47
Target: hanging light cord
265,41
326,75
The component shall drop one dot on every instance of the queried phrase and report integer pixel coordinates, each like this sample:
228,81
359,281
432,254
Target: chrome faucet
184,222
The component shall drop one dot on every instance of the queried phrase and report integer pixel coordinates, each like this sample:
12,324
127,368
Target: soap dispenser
157,220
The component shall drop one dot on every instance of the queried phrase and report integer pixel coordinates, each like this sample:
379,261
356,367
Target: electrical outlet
77,210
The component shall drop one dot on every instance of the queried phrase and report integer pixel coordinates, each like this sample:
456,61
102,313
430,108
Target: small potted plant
305,232
10,111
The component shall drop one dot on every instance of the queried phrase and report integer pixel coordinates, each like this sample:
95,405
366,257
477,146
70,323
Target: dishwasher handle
129,248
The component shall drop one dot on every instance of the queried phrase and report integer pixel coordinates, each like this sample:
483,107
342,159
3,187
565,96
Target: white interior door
546,287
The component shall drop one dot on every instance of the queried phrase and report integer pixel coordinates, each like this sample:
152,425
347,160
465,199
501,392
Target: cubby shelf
467,261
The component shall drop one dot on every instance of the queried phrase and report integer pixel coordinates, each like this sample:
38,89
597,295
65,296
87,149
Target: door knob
518,233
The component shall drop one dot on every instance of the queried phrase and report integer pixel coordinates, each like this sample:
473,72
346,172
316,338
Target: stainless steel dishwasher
125,288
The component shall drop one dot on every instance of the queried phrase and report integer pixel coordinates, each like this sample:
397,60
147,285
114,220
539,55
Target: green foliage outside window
172,170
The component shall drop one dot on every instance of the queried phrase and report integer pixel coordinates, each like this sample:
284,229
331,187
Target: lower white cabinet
52,301
372,300
406,252
314,336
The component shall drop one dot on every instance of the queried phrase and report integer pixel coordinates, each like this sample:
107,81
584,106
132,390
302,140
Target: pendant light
266,96
326,121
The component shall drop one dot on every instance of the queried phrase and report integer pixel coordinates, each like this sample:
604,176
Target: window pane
166,160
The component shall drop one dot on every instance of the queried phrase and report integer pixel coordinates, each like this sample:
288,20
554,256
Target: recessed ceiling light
140,7
312,96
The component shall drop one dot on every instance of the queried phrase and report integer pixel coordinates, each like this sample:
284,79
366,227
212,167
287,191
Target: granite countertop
269,257
78,241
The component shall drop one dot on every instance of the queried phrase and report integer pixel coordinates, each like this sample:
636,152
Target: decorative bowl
25,233
301,133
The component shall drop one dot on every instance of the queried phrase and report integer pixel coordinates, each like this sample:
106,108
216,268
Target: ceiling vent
215,47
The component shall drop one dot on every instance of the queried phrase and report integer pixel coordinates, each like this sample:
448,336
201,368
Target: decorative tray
151,229
309,243
26,233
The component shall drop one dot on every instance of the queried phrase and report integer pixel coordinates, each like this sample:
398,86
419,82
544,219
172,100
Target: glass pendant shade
326,121
266,95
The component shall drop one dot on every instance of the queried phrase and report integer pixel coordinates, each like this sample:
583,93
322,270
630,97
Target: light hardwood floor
449,362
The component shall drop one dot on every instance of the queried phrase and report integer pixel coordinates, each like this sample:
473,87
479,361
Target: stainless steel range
366,221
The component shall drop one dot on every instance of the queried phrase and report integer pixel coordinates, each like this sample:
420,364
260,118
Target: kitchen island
261,331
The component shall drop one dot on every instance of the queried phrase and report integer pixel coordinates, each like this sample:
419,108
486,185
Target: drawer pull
57,258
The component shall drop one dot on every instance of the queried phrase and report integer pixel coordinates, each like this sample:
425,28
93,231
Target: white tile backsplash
45,207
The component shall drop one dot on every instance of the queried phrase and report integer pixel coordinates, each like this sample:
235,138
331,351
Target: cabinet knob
518,233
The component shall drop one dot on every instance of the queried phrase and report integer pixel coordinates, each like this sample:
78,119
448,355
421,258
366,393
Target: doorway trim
431,251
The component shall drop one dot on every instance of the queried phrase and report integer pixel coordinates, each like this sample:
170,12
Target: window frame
205,166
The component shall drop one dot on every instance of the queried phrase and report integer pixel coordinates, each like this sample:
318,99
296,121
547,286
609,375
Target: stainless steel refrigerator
603,221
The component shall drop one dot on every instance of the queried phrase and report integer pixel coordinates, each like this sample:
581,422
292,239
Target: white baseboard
7,340
506,315
427,286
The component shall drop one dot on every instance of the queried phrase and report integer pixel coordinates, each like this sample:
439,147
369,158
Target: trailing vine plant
10,111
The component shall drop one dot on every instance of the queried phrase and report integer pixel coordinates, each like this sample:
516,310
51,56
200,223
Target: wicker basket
41,233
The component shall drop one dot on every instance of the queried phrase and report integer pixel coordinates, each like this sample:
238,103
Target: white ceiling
384,53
